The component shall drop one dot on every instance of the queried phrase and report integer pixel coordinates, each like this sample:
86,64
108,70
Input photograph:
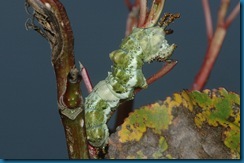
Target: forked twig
208,19
215,42
154,14
139,16
232,15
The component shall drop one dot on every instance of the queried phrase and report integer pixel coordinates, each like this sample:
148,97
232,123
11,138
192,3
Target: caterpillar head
155,46
150,43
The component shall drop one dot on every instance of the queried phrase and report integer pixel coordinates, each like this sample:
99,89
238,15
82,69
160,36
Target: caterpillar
141,46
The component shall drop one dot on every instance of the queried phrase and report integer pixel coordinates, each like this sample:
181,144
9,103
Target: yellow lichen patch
163,144
187,101
206,91
199,119
220,108
177,98
155,116
232,141
171,103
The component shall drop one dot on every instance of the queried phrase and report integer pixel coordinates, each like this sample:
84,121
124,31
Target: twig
222,12
215,44
209,59
232,15
138,14
86,78
169,65
208,19
143,12
132,19
154,14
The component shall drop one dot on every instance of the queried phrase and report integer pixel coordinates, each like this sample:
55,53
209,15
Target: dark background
30,126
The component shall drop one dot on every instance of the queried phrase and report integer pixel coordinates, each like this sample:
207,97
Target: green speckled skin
142,45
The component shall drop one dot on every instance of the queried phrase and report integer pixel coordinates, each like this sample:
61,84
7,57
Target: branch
154,14
215,43
132,19
208,19
143,12
232,15
86,78
169,65
138,16
222,12
54,25
210,58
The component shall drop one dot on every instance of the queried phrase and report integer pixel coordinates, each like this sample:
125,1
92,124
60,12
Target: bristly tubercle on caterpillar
142,45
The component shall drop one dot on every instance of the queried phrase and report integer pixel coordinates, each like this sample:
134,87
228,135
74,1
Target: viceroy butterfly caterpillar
142,45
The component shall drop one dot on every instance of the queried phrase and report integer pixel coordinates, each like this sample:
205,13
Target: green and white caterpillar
142,45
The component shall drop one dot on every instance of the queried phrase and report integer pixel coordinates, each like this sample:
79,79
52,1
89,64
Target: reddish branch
215,40
139,15
86,79
208,19
163,71
154,14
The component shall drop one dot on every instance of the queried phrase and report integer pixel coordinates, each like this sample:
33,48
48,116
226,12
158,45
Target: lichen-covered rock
190,125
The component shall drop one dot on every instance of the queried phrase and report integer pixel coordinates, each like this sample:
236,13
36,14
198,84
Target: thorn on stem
85,76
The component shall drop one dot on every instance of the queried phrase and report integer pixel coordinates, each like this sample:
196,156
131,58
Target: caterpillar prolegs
142,45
